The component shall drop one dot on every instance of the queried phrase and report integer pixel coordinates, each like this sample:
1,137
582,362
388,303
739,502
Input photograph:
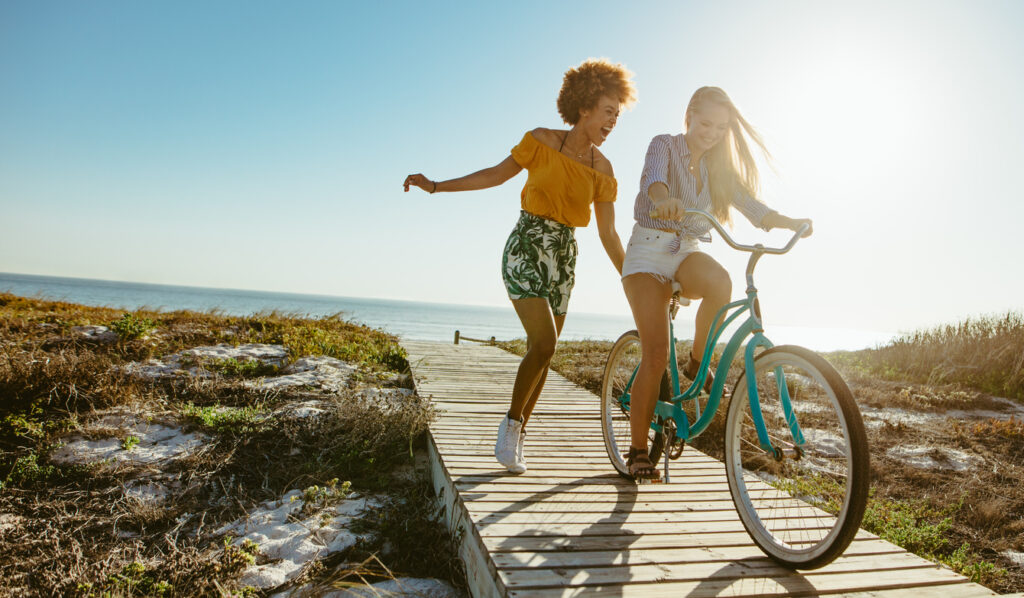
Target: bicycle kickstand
668,478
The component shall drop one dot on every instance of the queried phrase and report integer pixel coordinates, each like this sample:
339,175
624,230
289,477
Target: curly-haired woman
709,167
566,174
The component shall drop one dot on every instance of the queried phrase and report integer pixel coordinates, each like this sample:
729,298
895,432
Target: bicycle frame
750,328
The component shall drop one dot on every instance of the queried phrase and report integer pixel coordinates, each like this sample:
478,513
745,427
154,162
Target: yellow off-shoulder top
559,188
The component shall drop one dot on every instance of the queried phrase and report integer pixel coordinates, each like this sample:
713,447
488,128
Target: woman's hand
670,208
419,181
795,224
776,220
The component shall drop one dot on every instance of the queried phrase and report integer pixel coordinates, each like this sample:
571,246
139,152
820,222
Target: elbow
607,235
492,177
498,176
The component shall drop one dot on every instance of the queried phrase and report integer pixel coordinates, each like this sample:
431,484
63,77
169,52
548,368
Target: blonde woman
709,167
566,175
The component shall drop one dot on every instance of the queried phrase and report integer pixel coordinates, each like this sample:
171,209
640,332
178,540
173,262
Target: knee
655,357
543,349
719,285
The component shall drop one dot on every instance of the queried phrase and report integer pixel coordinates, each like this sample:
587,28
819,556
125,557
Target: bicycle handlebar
751,248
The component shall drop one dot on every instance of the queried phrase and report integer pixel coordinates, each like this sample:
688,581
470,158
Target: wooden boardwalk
570,526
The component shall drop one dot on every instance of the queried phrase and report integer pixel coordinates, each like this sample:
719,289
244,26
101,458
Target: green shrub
915,526
318,497
129,442
227,420
323,337
26,424
968,563
27,470
131,326
247,368
132,580
238,557
924,530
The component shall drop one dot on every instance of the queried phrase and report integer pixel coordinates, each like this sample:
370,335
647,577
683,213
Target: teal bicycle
796,454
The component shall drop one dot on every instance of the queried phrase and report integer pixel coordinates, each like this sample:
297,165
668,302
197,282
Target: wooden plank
522,543
908,567
570,497
604,487
663,555
939,583
492,505
571,526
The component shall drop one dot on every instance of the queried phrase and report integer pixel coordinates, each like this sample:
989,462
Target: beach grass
71,530
984,353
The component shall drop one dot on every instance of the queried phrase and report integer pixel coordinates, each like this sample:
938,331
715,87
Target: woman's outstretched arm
481,179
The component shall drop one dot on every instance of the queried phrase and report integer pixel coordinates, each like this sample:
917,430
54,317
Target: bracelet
435,187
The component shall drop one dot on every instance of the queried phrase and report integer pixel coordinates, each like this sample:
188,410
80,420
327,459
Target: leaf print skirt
540,261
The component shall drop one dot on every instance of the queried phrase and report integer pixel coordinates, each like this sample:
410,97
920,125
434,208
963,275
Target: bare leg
532,400
701,277
541,338
648,298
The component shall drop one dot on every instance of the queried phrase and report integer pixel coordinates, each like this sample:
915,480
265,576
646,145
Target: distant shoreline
407,319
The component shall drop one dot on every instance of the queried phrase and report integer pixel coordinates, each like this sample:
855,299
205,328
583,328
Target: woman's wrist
776,220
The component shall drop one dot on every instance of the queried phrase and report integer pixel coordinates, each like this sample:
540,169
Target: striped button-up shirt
668,161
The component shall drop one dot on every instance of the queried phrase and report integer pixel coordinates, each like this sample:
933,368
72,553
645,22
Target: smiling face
706,125
598,122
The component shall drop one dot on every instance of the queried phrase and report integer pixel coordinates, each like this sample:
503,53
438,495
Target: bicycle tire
829,477
622,362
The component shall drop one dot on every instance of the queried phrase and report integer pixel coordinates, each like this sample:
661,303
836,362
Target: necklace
579,154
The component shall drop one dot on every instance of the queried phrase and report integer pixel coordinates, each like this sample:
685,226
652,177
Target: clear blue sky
262,145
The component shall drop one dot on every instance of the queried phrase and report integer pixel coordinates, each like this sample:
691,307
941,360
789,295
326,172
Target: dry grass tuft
985,353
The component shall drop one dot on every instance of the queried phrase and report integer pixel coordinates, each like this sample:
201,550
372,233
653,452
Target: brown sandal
640,466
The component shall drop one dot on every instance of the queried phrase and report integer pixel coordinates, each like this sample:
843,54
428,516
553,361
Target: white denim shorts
649,251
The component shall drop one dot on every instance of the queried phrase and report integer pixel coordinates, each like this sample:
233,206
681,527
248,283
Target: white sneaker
520,459
509,432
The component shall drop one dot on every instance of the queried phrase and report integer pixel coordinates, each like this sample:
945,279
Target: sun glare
855,122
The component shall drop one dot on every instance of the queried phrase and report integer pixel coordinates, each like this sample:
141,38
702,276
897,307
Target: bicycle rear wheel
804,508
618,373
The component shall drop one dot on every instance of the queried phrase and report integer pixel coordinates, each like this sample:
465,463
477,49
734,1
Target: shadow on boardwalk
610,535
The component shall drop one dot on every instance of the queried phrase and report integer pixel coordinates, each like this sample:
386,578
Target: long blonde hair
731,166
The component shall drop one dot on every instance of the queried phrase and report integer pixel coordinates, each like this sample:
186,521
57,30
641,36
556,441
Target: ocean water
411,320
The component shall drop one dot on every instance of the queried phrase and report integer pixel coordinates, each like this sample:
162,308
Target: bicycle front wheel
801,502
618,375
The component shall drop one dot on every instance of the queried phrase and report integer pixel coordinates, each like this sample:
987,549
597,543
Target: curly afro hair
584,85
